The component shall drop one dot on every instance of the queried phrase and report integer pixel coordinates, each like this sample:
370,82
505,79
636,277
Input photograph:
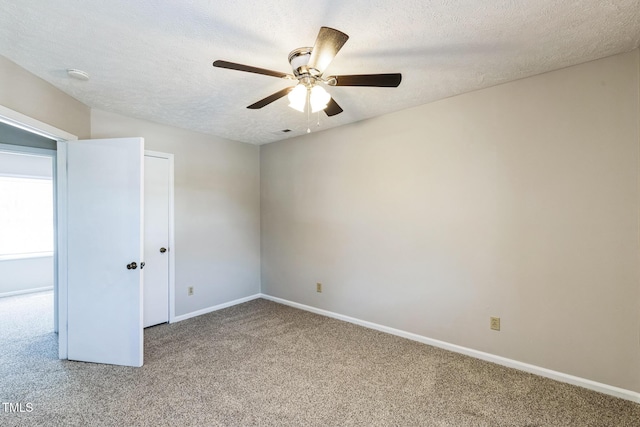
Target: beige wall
25,274
519,201
217,209
25,93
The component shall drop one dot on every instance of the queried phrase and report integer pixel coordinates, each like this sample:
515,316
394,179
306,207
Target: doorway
27,246
59,140
22,134
26,223
28,309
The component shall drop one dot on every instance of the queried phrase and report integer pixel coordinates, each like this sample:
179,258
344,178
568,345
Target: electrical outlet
318,287
495,323
190,290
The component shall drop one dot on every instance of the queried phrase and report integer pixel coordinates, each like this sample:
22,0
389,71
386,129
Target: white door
104,242
156,240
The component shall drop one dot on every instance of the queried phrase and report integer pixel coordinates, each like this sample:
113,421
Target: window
26,217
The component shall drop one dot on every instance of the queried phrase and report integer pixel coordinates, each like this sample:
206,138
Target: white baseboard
543,372
214,308
26,291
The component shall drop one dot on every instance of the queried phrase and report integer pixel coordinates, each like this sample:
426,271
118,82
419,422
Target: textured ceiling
152,60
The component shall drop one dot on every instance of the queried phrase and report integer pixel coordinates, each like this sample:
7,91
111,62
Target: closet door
156,240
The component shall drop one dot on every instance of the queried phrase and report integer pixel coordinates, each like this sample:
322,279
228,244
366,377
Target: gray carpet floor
265,364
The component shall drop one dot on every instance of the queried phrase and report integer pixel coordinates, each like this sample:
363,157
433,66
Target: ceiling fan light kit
308,65
307,92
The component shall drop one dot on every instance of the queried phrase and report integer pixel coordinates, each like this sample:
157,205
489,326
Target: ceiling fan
309,64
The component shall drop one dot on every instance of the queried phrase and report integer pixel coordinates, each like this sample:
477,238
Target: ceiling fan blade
269,99
328,44
374,80
333,108
250,69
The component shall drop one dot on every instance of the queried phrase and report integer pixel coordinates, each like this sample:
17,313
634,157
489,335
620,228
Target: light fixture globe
318,99
298,97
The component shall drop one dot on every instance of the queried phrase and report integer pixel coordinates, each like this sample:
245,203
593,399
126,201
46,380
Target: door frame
171,251
32,125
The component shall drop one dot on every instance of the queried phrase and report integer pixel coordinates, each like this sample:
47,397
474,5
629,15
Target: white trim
537,370
31,255
29,124
56,237
26,150
16,176
26,291
215,308
159,154
61,246
172,243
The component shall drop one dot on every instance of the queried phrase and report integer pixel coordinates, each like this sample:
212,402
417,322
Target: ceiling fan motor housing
299,58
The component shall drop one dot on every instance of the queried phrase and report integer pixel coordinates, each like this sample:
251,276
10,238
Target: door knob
132,266
163,250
